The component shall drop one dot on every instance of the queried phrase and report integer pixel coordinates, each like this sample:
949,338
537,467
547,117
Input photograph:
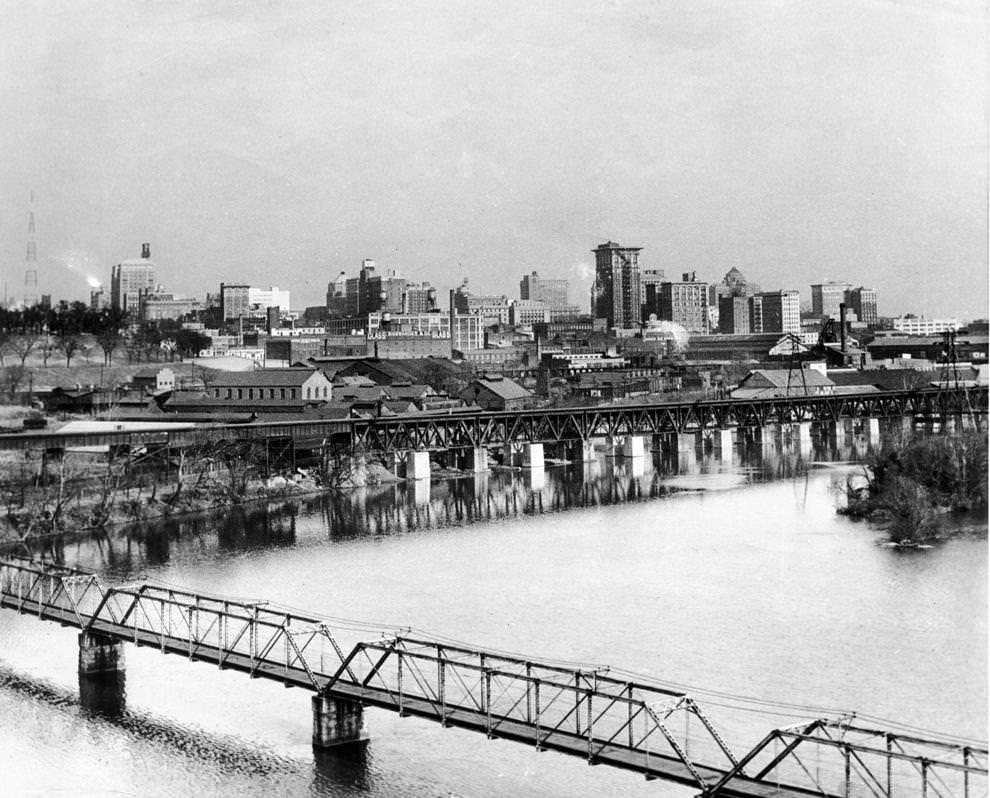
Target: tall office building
129,279
685,303
380,292
493,308
649,292
734,315
419,298
616,291
756,313
337,296
370,292
781,311
863,302
826,298
235,300
534,287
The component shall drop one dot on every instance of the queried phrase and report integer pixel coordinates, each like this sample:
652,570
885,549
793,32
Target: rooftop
262,377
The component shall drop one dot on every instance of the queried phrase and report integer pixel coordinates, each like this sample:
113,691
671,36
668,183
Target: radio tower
31,260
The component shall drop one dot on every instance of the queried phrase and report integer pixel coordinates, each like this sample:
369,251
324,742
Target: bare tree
21,345
71,344
12,379
47,348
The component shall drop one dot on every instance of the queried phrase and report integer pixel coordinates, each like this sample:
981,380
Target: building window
240,393
250,393
293,393
282,393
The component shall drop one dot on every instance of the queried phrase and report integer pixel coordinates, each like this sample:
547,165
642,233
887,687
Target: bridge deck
438,431
650,765
586,713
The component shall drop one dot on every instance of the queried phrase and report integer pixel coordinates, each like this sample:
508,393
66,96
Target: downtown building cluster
378,312
630,297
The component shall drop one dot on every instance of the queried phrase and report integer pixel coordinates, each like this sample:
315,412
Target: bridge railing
836,757
581,711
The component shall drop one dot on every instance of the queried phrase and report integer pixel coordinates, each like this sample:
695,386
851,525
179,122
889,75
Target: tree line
69,328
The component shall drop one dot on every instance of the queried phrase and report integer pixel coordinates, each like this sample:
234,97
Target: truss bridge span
589,713
473,429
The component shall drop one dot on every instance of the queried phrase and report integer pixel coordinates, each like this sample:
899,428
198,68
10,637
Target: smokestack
842,327
452,320
146,251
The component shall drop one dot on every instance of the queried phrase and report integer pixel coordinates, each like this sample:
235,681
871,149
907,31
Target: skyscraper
552,292
129,279
616,292
826,298
685,303
781,311
235,300
649,291
863,302
734,315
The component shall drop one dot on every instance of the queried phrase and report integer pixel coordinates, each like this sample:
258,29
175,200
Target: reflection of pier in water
504,493
474,498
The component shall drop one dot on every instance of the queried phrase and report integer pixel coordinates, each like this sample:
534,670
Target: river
727,579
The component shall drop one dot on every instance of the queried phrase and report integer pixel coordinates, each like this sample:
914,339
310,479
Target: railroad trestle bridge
522,434
587,713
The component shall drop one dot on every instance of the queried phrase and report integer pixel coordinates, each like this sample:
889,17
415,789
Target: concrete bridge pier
686,442
585,451
532,455
359,470
535,477
963,422
871,428
105,693
722,443
337,722
750,436
633,446
100,655
417,465
476,459
687,452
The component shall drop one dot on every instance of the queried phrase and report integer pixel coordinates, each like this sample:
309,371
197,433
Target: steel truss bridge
463,430
652,730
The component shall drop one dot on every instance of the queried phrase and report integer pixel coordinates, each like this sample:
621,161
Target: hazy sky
284,142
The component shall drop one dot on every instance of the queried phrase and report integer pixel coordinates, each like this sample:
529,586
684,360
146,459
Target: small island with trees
909,485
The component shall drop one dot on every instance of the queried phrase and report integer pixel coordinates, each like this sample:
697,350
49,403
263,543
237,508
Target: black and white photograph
443,399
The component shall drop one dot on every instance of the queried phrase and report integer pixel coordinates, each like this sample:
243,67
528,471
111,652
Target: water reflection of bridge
499,494
505,493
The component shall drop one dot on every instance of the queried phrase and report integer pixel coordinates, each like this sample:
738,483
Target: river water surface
726,580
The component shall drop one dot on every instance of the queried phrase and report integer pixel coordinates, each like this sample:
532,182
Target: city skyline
798,144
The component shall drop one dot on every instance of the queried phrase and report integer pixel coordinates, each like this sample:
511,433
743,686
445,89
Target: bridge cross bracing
588,713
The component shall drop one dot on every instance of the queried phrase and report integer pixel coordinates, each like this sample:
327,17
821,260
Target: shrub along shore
911,484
